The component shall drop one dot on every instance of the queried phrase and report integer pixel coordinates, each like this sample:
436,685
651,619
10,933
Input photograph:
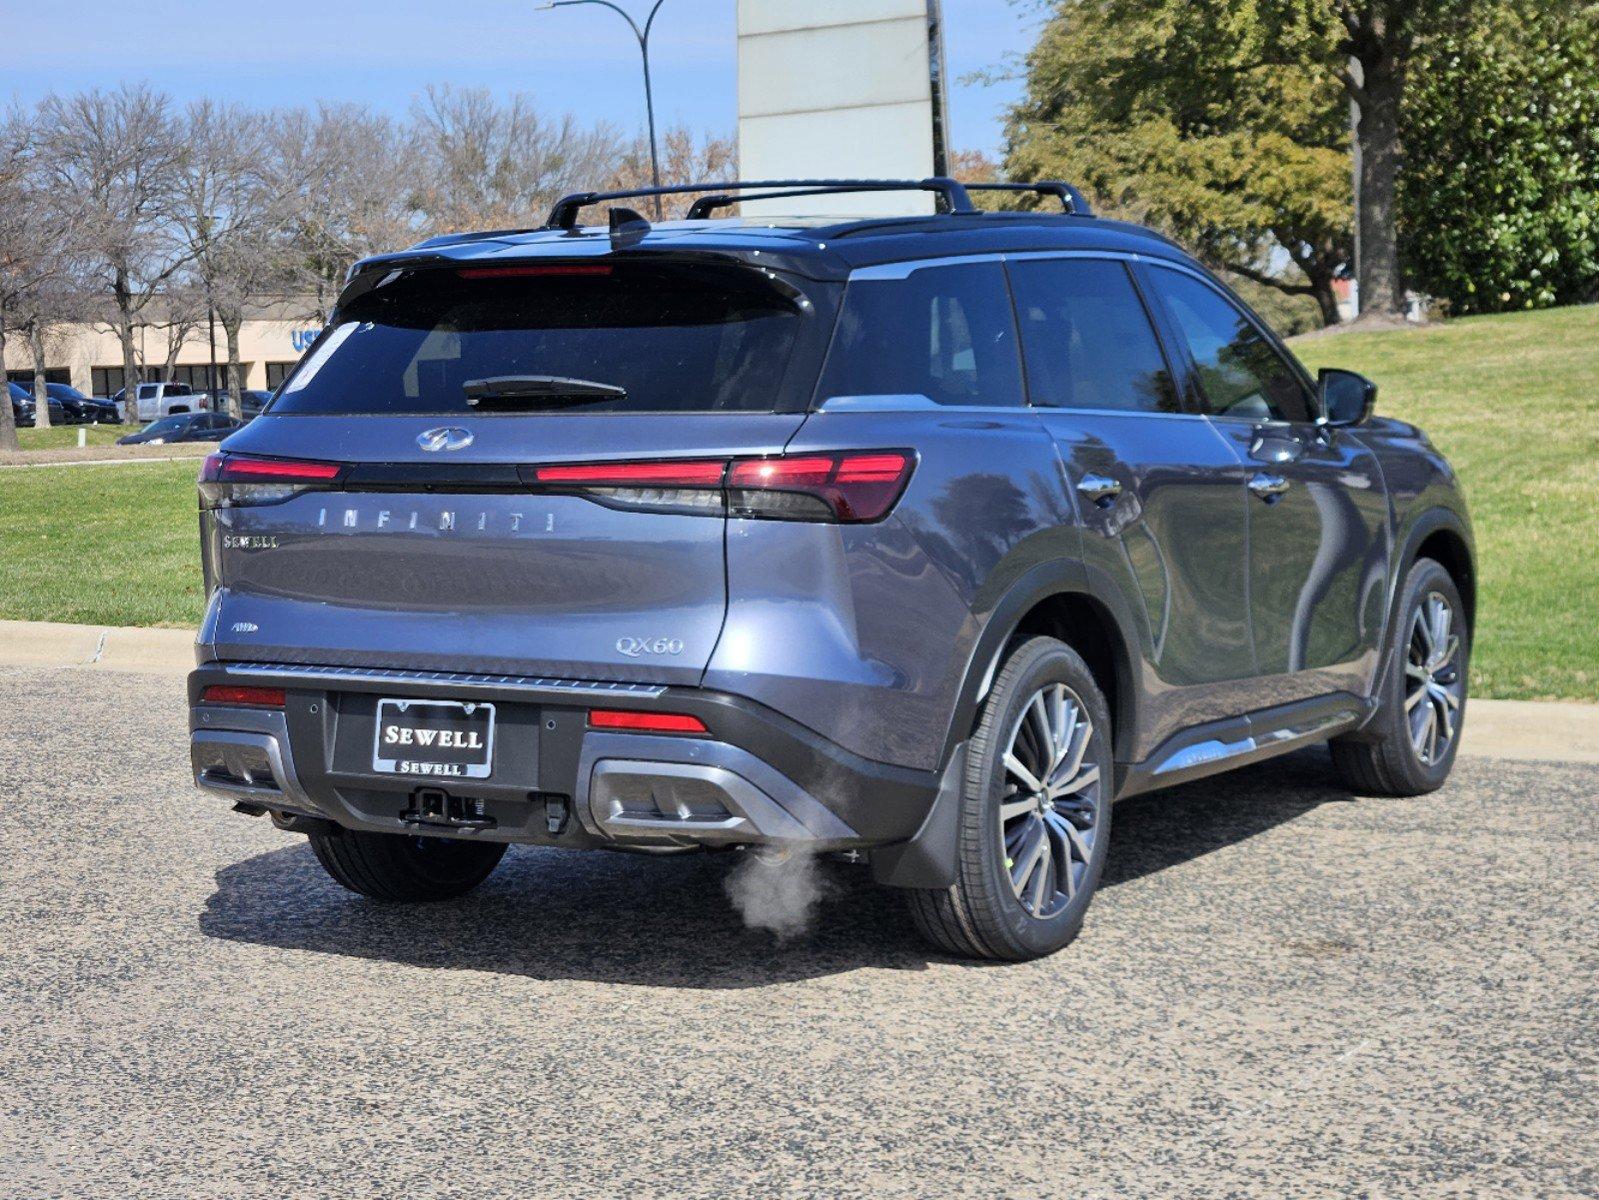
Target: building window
51,375
105,381
277,372
198,375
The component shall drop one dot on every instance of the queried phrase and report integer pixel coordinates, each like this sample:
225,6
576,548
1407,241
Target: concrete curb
1520,729
96,647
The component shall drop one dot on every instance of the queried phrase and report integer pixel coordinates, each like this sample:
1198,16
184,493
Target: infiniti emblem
445,437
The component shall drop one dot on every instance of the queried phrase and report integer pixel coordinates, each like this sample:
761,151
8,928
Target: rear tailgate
437,392
474,573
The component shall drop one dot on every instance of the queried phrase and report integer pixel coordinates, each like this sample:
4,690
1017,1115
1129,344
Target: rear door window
644,337
1086,338
942,333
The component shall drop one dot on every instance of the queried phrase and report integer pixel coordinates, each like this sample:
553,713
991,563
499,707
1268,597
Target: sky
383,52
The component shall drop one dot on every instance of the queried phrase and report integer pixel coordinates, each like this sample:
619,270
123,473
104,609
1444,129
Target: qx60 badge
633,647
445,437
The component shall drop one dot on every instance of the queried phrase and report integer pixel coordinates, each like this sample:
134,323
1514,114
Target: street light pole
643,36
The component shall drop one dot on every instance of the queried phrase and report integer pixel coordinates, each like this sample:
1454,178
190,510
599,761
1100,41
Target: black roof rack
953,195
1070,198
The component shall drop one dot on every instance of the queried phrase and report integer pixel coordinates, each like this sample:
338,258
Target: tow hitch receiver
435,806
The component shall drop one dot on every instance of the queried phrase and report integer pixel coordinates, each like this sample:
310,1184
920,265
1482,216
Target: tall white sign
839,88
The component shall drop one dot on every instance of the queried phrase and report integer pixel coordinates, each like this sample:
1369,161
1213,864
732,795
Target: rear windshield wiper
533,391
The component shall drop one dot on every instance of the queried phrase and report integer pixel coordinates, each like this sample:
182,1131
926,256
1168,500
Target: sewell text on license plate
434,738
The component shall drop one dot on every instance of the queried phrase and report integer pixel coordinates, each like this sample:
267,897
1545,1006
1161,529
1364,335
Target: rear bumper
756,778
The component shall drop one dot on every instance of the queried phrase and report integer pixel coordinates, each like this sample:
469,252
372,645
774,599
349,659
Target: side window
1086,338
945,333
1240,371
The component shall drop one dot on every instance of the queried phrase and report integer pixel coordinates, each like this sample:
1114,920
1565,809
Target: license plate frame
399,757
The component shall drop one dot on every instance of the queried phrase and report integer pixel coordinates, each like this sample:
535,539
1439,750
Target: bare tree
356,172
40,230
686,157
119,152
496,164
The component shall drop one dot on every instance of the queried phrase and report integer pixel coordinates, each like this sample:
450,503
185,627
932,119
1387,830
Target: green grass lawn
101,545
60,437
1514,402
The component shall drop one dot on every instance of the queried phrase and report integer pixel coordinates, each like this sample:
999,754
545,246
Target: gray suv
922,538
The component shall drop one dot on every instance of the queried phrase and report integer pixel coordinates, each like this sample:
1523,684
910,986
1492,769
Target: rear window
944,334
673,338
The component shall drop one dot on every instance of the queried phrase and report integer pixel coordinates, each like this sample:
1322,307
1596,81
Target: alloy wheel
1049,814
1434,683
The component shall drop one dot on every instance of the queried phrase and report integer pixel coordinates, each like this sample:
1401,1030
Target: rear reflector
253,697
645,722
524,271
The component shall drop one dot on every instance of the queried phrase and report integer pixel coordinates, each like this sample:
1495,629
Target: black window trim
1191,371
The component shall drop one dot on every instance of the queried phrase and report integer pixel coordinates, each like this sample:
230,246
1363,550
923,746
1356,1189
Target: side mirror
1346,398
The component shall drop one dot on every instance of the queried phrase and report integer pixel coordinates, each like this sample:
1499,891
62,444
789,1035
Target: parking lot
1282,990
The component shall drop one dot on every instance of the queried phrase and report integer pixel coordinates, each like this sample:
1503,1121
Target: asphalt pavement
1283,990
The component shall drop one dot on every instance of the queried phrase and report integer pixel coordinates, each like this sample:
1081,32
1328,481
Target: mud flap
928,860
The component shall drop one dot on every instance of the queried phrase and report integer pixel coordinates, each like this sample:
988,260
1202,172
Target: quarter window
1086,339
942,333
1240,372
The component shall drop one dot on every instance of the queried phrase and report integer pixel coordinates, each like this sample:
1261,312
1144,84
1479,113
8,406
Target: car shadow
668,922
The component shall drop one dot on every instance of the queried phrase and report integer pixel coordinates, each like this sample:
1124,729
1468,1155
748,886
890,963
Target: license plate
434,738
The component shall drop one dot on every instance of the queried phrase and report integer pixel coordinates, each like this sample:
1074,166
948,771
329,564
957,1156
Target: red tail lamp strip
644,474
645,722
229,468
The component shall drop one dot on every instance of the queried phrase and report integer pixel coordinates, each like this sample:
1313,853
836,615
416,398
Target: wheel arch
1065,602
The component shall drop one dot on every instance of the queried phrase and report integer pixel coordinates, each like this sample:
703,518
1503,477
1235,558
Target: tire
399,868
985,915
1389,757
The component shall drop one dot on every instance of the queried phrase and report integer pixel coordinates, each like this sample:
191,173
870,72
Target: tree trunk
230,326
41,393
130,356
8,425
1382,291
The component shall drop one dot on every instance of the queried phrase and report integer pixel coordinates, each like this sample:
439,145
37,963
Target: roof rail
951,194
1070,198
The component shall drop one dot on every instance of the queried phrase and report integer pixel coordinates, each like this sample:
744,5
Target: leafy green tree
1499,198
1202,119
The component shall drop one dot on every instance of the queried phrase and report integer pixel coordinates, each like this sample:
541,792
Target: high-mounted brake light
525,271
645,722
852,486
235,480
249,697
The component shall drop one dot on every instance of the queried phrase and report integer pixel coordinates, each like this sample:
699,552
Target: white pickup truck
157,400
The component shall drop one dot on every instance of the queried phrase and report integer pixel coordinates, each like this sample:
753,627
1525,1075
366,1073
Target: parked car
77,408
59,413
22,406
918,538
184,427
251,401
83,409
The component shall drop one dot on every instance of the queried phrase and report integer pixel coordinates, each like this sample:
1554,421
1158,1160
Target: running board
1238,741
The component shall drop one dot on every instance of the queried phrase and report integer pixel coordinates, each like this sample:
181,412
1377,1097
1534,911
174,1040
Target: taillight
249,697
645,722
815,487
851,486
235,480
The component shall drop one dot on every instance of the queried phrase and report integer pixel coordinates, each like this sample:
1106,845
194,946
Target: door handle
1101,489
1268,487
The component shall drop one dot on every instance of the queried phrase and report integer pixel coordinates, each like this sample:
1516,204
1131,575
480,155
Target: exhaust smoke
776,890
